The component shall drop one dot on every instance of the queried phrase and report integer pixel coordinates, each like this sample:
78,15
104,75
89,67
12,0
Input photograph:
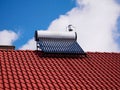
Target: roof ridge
105,52
85,52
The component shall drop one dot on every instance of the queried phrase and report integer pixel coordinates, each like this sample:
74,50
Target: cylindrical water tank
55,35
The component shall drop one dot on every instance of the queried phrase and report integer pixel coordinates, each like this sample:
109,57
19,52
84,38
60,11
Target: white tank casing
66,35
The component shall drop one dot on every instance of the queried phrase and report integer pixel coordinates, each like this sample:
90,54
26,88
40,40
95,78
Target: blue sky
26,16
97,22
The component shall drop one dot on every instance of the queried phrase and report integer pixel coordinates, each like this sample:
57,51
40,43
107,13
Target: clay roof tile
32,70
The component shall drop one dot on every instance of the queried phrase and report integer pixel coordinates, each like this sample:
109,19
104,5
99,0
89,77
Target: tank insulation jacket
55,35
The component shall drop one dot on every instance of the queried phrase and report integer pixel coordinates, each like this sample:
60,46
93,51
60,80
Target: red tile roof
30,70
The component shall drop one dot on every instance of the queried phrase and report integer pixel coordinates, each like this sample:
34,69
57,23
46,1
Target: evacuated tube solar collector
57,41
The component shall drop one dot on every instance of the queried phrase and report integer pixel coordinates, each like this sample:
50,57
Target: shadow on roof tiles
60,55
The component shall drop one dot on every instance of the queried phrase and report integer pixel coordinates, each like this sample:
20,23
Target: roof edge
42,52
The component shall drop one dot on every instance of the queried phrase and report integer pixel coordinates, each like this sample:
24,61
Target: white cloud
31,44
95,22
7,37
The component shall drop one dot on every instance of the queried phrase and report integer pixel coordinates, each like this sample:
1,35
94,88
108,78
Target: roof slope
29,70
